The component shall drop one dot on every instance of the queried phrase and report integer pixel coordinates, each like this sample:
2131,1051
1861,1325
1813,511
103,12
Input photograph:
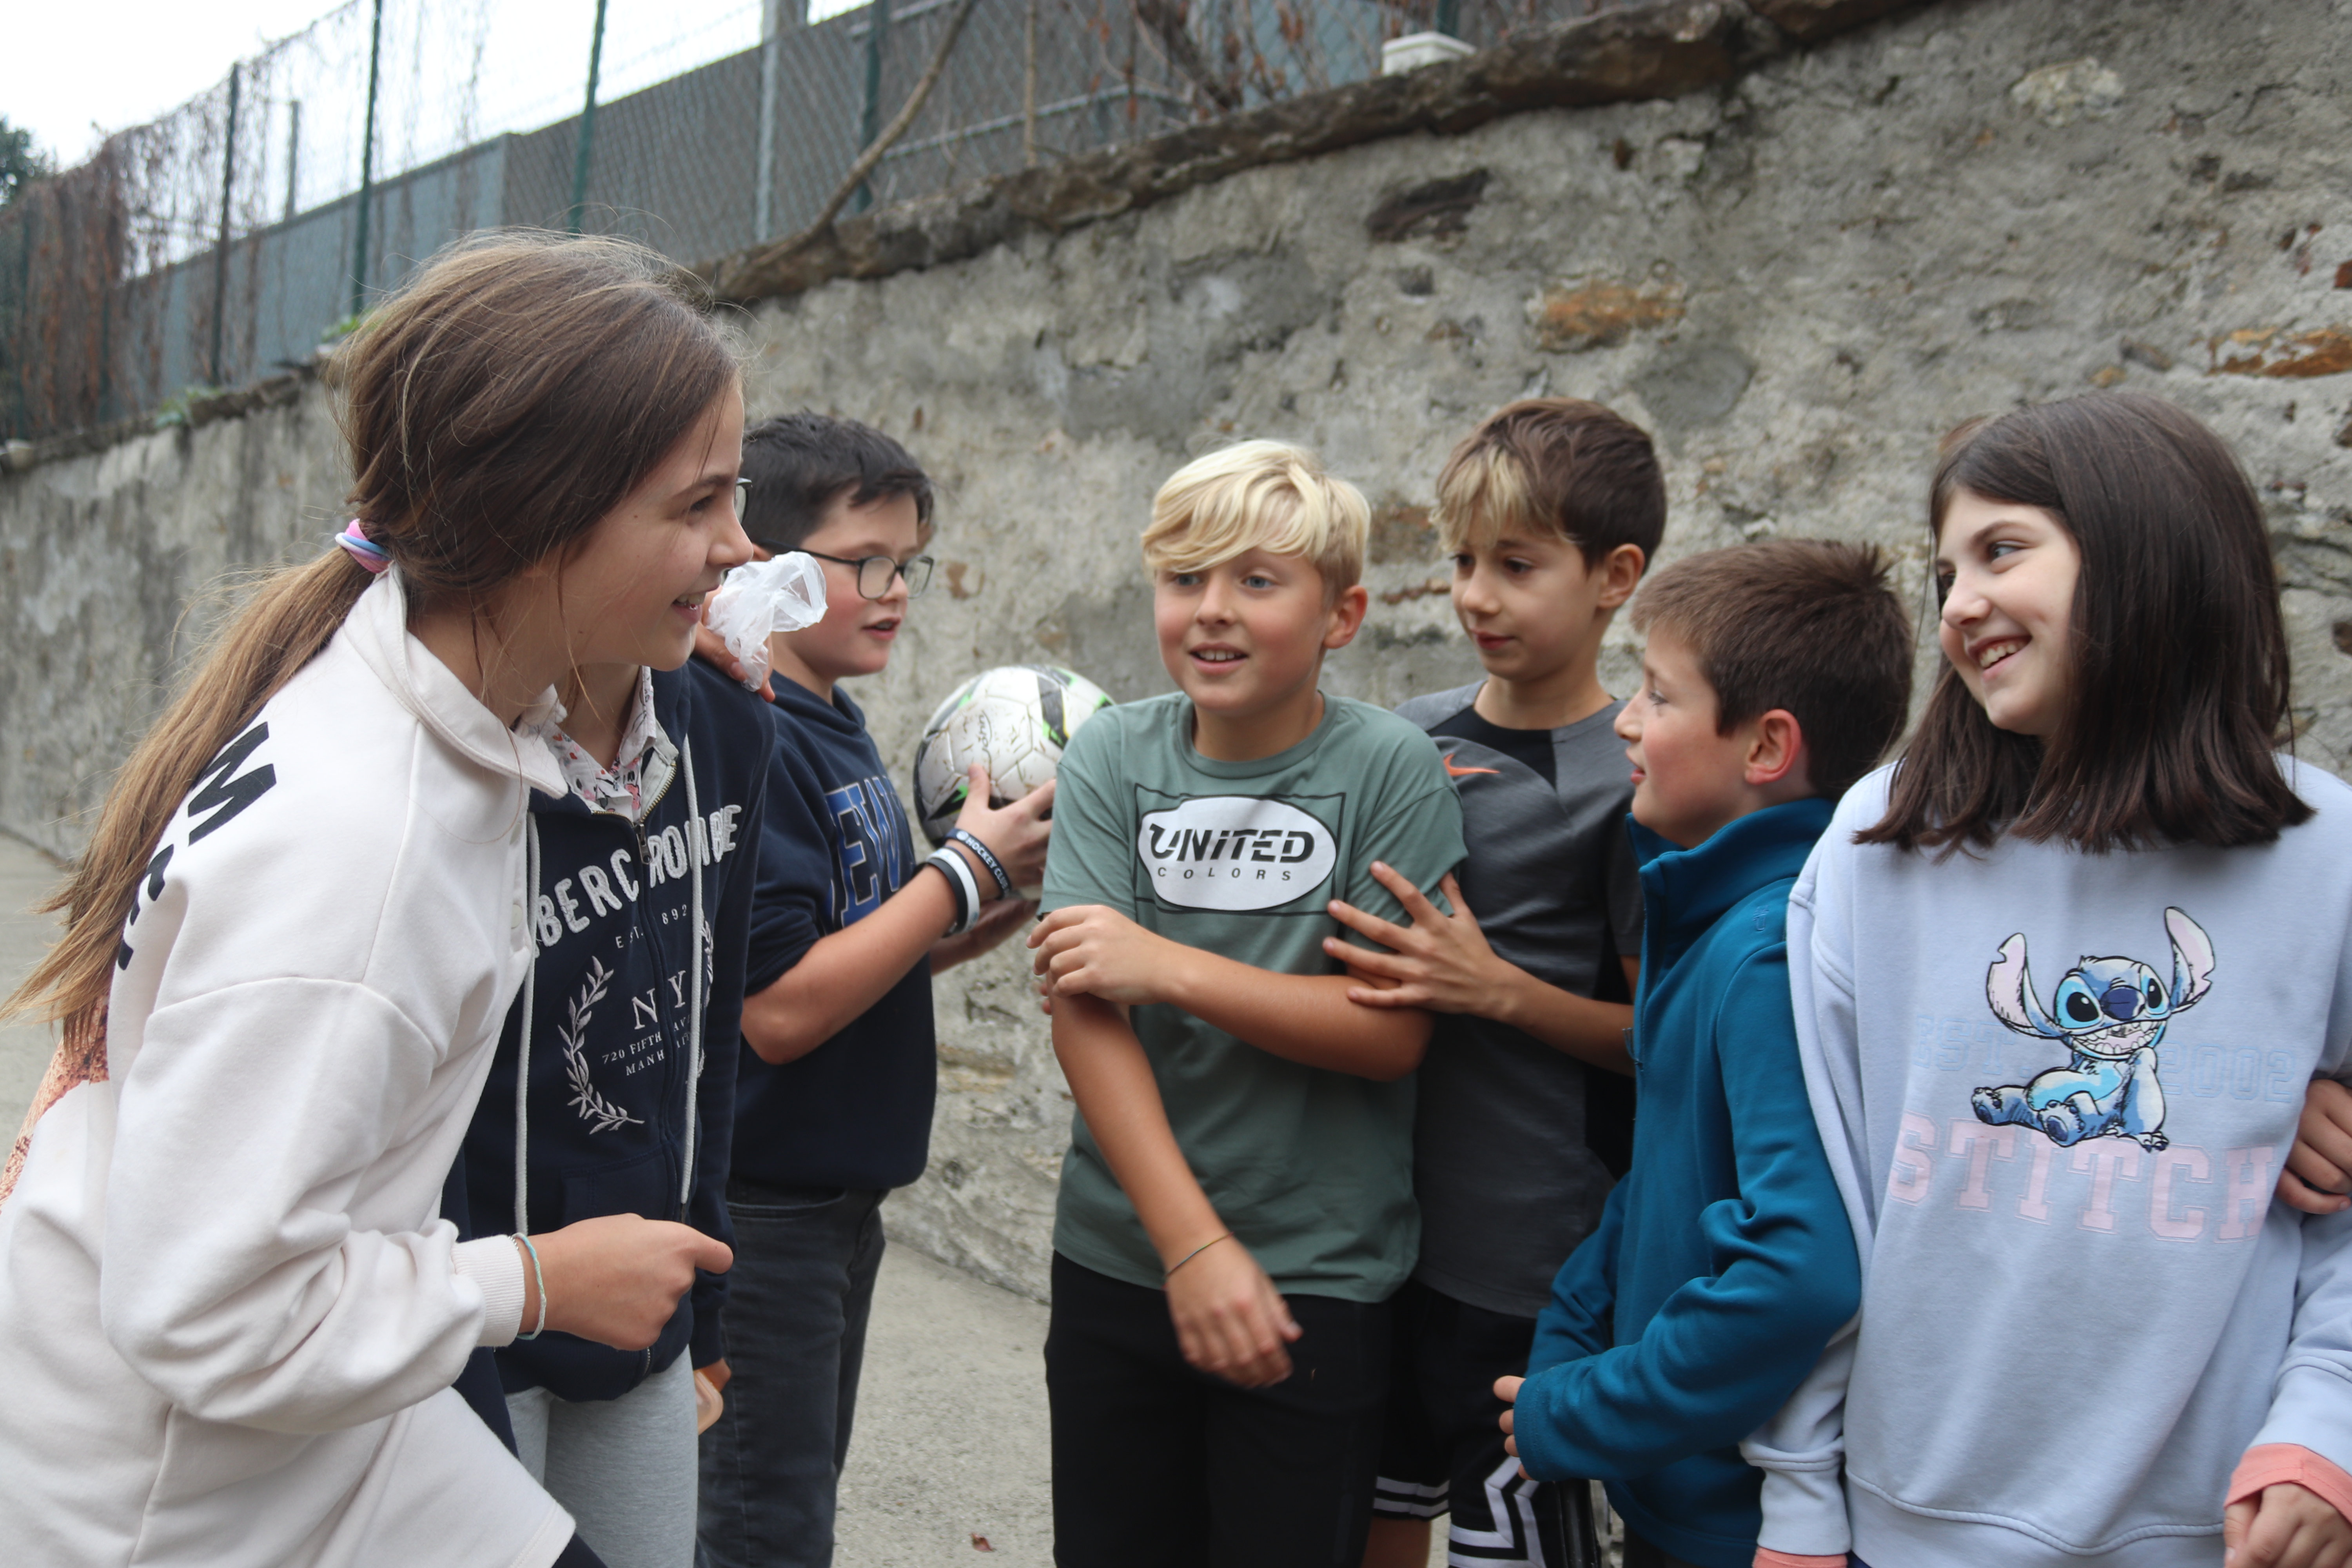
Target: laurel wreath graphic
600,1114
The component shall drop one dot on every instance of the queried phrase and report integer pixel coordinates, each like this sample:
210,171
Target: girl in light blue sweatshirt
2061,976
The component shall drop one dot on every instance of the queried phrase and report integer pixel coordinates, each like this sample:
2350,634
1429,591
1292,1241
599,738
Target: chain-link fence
224,241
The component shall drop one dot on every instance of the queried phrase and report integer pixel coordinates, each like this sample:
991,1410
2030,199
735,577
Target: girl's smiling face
633,592
2007,574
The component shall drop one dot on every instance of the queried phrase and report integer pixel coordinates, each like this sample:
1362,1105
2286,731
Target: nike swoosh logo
1453,771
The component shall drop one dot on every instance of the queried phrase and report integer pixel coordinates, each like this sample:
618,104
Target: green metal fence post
869,124
587,127
220,247
367,165
772,47
1449,17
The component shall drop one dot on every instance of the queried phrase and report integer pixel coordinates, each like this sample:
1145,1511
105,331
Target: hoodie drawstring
694,854
522,1037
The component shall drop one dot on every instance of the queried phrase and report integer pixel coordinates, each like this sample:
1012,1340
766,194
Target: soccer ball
1014,721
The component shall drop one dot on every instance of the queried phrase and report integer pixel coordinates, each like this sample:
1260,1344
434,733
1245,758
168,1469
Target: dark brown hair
512,391
1555,466
1810,626
801,464
2179,675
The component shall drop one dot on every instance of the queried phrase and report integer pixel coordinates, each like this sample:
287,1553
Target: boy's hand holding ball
1017,832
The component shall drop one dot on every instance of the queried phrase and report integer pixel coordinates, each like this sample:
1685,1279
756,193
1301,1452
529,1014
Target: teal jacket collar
1685,891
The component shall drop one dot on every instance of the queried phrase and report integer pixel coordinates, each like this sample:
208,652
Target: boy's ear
1620,571
1346,617
1776,750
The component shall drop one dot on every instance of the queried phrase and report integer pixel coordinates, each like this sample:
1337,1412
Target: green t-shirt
1311,1170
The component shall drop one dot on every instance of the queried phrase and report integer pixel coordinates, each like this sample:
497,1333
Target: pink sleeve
1768,1558
2271,1464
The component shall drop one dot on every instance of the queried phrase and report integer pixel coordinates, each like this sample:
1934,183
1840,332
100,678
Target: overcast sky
71,75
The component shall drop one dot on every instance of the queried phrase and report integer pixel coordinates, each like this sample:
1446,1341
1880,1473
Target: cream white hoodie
229,1316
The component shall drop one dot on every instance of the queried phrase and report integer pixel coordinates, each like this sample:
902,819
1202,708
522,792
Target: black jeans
1158,1466
797,1302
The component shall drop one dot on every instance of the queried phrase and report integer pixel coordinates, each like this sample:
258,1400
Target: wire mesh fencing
226,240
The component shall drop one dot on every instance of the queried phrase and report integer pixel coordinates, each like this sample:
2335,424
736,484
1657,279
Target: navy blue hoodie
856,1111
614,1112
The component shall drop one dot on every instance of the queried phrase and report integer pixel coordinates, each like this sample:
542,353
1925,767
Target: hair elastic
362,549
995,866
537,1278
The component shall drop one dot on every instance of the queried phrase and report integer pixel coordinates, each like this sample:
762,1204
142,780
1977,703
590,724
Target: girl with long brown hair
2062,974
229,1316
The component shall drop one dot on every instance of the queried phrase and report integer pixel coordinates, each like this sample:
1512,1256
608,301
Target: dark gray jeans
797,1301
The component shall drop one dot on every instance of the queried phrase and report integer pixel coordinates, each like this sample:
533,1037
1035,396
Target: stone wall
1799,276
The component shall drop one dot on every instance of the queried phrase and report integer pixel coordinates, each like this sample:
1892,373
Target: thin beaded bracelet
538,1280
1196,1252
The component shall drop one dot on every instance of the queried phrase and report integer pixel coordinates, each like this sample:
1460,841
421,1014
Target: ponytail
289,617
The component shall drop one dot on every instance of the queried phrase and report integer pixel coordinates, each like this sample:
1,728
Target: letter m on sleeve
223,792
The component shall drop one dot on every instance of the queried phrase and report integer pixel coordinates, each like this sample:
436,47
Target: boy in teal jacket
1775,674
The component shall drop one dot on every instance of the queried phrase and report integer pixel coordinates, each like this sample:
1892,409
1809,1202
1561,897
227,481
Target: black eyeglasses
874,571
743,499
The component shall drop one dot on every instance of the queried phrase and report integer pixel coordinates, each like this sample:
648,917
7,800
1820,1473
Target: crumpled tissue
783,593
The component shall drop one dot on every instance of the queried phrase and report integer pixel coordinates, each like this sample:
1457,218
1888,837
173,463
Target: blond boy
1236,1208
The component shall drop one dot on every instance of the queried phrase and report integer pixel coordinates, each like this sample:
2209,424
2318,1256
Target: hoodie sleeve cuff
707,1343
1768,1558
2276,1464
494,1264
1803,1501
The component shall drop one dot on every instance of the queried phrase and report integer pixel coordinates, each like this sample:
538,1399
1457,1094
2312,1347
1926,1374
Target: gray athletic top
1512,1141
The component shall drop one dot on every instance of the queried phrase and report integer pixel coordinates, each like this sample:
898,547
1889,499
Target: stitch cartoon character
2111,1012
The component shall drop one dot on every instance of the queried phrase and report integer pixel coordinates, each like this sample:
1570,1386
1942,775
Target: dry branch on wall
867,159
1646,52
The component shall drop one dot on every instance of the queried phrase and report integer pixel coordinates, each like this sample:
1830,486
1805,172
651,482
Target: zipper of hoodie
637,825
645,867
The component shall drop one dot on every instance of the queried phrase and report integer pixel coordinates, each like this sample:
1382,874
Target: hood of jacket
376,631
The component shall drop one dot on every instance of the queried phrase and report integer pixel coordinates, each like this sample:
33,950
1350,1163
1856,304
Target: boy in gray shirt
1551,509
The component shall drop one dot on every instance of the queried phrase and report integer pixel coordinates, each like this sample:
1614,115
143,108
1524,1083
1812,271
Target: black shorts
1441,1447
1158,1466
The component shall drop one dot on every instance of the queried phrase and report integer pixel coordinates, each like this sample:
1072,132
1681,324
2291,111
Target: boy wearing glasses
837,1069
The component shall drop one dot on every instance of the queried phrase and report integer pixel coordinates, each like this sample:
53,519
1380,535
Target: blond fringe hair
1488,494
1259,495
